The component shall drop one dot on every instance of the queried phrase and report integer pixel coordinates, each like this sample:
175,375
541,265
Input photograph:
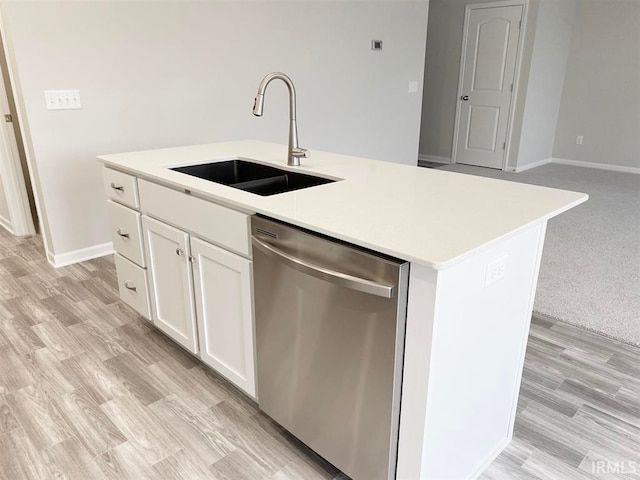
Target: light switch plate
413,87
62,99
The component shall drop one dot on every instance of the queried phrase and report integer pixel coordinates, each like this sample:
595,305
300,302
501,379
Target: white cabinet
199,293
220,225
201,297
126,232
222,282
170,284
121,187
132,285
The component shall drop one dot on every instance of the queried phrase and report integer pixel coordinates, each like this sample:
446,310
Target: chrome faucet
295,152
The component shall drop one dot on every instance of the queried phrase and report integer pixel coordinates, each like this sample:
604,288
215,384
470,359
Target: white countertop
432,217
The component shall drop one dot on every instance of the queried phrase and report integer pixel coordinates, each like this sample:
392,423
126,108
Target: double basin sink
252,177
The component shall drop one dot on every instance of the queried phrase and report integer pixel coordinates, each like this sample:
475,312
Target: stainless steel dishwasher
330,321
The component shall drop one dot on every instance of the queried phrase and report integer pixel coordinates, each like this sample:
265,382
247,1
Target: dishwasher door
330,323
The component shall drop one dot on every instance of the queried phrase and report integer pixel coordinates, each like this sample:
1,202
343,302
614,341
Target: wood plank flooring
579,409
89,390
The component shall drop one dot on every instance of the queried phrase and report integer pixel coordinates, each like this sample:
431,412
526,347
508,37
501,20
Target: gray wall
601,95
546,77
160,74
523,83
442,66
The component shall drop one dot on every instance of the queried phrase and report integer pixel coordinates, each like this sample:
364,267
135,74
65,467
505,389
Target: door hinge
504,146
8,118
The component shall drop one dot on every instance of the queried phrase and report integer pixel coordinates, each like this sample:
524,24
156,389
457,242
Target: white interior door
16,210
170,283
488,66
224,305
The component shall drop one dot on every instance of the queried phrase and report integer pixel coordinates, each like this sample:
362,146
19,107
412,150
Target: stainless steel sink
252,177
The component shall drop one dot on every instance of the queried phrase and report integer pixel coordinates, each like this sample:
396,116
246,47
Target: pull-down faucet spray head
258,104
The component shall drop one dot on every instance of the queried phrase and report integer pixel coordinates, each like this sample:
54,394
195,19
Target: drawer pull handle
179,252
130,286
120,188
192,259
123,233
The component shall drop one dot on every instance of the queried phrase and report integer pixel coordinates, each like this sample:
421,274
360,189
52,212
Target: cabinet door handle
192,259
130,286
123,233
179,252
120,188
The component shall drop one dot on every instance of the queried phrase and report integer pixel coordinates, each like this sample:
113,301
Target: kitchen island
474,245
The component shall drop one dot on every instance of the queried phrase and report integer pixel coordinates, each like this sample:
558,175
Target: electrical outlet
62,99
496,270
579,139
413,87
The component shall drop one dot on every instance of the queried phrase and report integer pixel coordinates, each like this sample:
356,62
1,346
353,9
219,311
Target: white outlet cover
413,87
496,270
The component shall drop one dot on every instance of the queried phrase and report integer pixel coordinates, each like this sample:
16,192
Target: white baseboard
529,166
576,163
601,166
69,258
492,456
433,158
6,224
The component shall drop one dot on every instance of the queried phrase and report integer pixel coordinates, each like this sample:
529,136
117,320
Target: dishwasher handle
331,276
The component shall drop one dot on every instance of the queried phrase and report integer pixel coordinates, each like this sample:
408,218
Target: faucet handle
300,152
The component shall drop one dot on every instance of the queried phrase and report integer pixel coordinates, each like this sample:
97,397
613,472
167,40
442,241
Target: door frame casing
516,77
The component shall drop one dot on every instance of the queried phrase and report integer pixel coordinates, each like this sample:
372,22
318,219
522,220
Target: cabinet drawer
132,284
220,225
121,187
126,232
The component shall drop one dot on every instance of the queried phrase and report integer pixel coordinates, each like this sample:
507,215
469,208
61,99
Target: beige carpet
590,273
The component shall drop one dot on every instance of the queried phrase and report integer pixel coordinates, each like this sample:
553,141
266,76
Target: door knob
464,97
179,252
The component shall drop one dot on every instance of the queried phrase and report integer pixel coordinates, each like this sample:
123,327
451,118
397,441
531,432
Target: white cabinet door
224,304
171,287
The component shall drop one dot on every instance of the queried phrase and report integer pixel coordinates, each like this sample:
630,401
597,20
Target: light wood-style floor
88,390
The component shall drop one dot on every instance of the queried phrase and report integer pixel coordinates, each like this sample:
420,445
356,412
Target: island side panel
475,360
415,375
